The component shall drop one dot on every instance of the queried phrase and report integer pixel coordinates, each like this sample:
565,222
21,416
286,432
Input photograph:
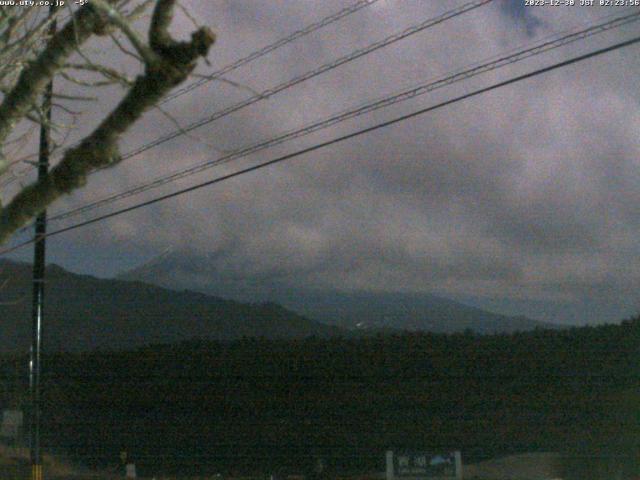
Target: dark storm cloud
522,15
528,194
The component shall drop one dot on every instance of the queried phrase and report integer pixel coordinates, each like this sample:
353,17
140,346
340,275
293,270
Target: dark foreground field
255,406
15,465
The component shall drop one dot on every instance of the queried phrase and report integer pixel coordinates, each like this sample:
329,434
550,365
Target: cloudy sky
523,200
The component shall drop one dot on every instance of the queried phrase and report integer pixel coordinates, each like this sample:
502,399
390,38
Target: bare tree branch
148,55
35,77
170,65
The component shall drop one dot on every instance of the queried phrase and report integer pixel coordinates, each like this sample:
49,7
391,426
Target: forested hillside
85,313
257,405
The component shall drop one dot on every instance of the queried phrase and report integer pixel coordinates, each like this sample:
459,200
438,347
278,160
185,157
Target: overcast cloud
524,200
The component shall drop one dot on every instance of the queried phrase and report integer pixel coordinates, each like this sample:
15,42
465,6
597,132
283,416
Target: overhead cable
359,5
333,141
355,112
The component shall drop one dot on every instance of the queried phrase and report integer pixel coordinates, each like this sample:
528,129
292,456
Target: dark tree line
261,405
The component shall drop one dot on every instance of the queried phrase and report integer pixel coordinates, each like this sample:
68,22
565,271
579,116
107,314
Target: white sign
424,465
11,423
130,470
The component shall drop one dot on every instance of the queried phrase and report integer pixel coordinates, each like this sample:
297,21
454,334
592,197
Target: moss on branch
174,63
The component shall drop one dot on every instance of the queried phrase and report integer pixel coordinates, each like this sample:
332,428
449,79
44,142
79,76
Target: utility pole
38,283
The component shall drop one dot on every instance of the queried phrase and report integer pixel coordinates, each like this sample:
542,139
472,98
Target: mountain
354,310
85,313
405,311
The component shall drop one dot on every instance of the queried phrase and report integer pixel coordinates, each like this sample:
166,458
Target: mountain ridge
353,310
87,313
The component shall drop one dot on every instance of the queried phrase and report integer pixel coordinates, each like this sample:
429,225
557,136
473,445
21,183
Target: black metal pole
38,286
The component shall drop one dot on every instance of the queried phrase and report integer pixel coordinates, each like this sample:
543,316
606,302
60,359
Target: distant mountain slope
414,312
83,313
354,310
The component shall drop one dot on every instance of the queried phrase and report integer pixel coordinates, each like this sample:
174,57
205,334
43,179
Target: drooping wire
310,74
328,20
358,111
270,48
334,141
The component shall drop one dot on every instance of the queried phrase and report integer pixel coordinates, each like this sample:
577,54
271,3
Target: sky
523,200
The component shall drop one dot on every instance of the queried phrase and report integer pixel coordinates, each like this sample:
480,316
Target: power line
270,48
310,74
335,140
265,94
345,12
357,111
